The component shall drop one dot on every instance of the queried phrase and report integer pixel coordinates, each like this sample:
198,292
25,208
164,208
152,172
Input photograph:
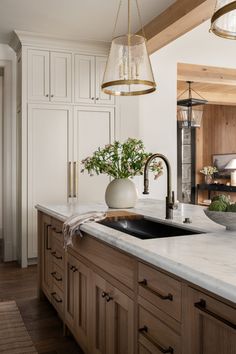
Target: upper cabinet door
93,128
84,78
38,75
60,77
101,97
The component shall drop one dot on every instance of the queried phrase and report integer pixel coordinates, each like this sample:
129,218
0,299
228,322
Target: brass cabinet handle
55,297
144,284
47,95
54,274
70,179
47,243
106,296
144,332
97,98
201,305
54,254
75,179
74,269
52,95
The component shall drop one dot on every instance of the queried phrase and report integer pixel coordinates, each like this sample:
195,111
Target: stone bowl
224,218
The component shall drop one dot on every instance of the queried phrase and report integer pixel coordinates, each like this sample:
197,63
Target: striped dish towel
72,225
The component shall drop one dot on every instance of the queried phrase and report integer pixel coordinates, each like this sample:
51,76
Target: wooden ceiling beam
206,74
179,18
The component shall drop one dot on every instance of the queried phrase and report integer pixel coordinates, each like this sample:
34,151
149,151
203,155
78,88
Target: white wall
1,146
158,110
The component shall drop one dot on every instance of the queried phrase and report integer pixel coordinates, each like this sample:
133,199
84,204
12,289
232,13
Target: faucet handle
174,203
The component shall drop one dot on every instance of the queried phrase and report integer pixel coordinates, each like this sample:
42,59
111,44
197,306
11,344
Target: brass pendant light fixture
223,21
190,110
128,70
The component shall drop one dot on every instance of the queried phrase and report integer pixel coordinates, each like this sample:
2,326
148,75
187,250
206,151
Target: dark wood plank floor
41,320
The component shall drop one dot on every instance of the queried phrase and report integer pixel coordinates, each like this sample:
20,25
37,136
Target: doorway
213,140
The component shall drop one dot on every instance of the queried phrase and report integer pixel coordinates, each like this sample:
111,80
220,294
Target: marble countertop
207,259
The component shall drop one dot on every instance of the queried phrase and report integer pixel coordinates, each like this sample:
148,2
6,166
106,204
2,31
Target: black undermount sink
145,229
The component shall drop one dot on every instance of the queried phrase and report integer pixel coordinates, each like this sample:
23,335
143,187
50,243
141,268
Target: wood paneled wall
217,135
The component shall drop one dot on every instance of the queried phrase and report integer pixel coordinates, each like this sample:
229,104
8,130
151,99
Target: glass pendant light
190,110
223,21
128,70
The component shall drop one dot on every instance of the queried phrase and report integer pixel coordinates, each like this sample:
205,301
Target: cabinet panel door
70,308
82,306
61,77
49,150
94,127
120,325
98,313
84,79
38,75
209,325
101,97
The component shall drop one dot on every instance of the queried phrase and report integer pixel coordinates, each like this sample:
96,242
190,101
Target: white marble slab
207,260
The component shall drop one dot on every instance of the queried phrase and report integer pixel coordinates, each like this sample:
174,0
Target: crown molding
20,39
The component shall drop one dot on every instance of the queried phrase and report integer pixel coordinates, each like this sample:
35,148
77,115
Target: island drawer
117,264
155,336
160,289
57,276
58,253
57,299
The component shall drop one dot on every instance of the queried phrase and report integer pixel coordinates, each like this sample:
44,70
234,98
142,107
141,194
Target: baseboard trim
32,261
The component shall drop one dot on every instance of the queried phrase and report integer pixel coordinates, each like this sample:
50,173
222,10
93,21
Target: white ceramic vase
121,193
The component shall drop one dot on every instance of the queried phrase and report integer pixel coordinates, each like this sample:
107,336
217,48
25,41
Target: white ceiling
74,19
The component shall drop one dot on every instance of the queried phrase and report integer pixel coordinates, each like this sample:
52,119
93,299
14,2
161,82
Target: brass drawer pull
201,305
144,332
104,294
144,284
55,298
54,274
54,254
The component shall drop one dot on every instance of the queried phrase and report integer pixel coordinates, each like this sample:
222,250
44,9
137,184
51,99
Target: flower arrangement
208,170
121,160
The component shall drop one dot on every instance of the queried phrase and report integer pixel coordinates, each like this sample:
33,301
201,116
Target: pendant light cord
117,16
129,19
140,19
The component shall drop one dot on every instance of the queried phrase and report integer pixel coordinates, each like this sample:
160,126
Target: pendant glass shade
190,110
189,117
223,21
128,70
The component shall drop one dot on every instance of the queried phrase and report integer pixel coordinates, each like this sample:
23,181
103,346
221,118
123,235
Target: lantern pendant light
223,21
190,110
128,69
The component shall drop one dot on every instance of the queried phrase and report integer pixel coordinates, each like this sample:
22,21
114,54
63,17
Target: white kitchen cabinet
89,71
49,153
49,76
93,128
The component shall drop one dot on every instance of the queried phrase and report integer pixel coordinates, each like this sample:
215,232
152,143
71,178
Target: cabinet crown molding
42,40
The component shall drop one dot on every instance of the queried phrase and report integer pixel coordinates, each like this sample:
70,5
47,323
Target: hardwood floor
41,320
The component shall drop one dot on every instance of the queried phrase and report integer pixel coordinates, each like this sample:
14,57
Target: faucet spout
170,199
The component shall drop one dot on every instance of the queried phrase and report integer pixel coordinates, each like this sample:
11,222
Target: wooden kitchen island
115,297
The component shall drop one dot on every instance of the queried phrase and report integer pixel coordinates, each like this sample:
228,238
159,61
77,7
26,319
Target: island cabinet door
77,303
112,319
210,325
